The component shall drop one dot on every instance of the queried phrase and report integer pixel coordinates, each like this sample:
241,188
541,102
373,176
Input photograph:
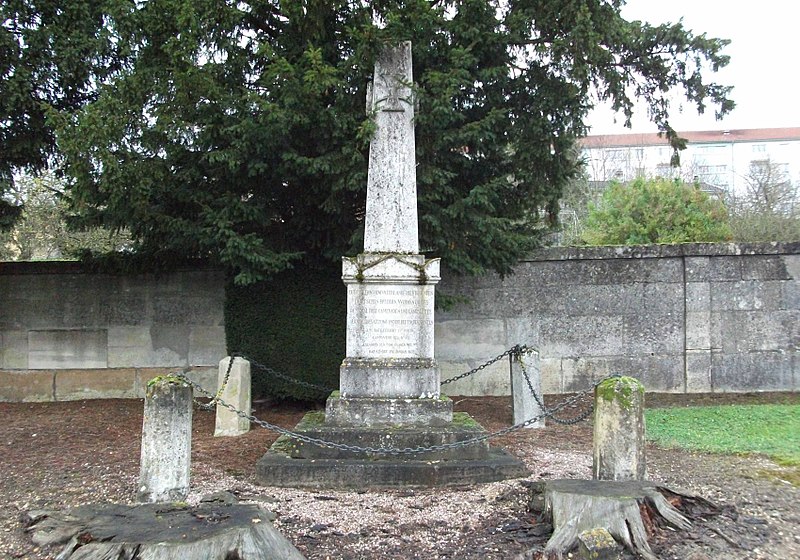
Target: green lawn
772,430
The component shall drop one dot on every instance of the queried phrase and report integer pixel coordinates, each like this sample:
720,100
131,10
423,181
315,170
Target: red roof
696,137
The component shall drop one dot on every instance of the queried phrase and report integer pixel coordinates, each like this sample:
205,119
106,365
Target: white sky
764,67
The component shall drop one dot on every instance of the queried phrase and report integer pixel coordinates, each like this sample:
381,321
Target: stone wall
66,334
686,318
689,318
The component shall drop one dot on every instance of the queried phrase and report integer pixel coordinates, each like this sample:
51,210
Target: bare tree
769,208
42,232
769,189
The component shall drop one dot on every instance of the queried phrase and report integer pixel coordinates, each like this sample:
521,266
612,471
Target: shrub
655,211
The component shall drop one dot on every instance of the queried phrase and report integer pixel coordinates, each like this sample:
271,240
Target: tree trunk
628,510
161,532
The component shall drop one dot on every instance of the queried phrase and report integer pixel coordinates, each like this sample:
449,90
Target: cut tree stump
161,532
627,509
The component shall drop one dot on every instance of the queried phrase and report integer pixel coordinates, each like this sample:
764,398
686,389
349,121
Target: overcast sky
764,67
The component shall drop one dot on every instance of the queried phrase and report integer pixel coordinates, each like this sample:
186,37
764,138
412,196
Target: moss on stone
284,445
620,389
464,420
313,419
169,379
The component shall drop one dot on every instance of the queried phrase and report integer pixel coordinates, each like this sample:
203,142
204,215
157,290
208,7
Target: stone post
236,393
166,441
524,368
619,449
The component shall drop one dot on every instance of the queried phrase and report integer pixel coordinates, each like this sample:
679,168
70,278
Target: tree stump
628,510
161,532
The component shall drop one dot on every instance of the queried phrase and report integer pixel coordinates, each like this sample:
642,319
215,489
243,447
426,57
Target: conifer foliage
237,131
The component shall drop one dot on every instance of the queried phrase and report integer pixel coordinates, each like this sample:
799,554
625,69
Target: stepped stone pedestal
389,395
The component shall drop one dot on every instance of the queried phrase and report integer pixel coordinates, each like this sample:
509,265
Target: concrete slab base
278,469
293,463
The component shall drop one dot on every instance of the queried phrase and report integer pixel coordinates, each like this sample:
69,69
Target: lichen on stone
620,389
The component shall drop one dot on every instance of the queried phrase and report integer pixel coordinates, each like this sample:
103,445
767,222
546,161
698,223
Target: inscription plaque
390,321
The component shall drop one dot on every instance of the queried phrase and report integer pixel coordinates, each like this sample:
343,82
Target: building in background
719,158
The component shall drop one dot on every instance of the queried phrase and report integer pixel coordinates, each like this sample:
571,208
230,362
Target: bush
655,211
293,323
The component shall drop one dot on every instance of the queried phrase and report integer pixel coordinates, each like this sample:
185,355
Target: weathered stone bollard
166,441
524,404
619,450
237,394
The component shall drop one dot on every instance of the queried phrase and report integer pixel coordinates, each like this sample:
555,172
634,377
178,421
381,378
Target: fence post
236,393
619,429
526,375
166,441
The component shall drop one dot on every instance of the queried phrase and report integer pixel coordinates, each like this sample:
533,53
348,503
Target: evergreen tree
236,131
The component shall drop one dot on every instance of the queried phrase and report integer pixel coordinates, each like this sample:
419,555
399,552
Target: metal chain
516,351
509,352
540,401
392,450
324,389
210,405
290,379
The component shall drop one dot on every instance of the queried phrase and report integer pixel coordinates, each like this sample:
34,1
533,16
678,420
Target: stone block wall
66,334
685,318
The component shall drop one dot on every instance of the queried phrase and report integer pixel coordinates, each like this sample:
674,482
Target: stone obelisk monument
389,384
389,374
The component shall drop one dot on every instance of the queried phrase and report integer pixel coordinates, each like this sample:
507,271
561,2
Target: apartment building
721,158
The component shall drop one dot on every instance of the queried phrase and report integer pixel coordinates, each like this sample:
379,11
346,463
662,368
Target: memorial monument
389,393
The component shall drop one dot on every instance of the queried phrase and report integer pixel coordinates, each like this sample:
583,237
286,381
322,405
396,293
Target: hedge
293,323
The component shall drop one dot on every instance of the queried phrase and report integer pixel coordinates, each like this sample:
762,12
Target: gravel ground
57,455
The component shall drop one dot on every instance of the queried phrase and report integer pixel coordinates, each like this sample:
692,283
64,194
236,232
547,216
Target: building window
759,148
664,170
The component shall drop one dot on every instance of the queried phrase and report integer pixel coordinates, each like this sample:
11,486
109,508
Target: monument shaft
391,219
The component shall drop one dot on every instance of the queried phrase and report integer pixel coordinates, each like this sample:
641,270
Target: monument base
366,411
293,463
276,469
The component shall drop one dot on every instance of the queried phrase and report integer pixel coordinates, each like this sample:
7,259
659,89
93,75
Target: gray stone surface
493,380
461,428
14,349
698,371
276,469
73,385
391,218
390,287
235,387
67,348
388,412
618,443
390,305
397,378
57,316
166,442
526,376
26,386
754,371
640,316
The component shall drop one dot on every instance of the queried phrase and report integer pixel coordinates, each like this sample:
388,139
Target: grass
770,429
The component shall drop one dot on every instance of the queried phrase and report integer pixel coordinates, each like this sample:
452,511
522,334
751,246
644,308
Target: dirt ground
57,455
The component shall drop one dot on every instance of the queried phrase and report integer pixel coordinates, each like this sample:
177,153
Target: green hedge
293,323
